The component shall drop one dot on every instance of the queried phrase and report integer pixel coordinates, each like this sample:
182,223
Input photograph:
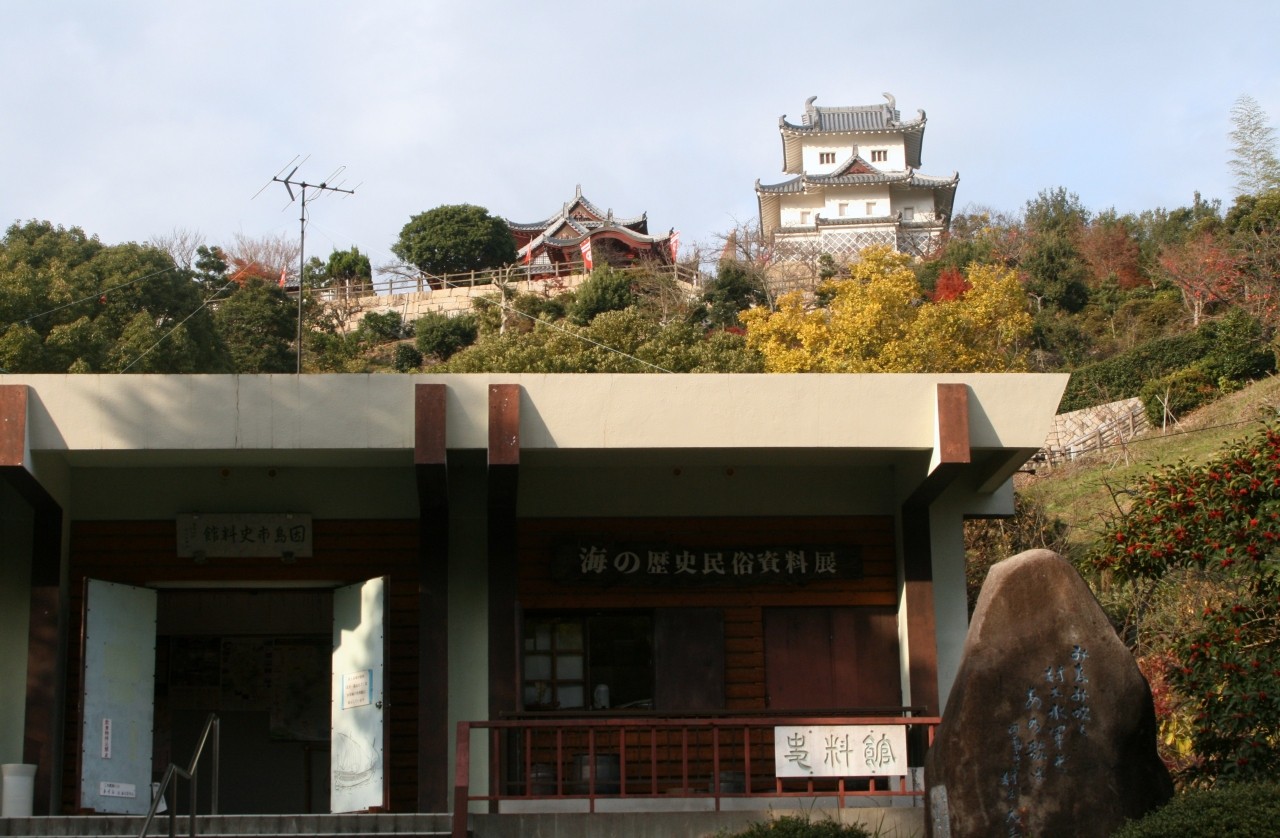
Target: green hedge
1233,348
792,826
1245,810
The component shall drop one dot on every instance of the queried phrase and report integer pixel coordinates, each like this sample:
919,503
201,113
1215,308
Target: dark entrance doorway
260,659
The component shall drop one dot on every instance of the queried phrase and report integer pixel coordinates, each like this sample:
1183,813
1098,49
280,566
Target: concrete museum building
490,592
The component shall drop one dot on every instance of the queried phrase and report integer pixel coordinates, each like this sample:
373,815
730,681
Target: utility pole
321,187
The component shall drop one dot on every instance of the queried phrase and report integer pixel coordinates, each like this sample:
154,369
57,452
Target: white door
357,776
119,696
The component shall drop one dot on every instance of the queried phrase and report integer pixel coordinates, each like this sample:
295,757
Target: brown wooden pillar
42,737
951,456
503,472
430,464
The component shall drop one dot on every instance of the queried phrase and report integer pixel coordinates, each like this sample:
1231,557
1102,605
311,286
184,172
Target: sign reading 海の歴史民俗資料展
604,563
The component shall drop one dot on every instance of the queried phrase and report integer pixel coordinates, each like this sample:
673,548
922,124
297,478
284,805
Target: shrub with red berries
1219,521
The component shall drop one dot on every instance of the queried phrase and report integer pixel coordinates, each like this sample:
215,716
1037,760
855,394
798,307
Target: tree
182,244
258,323
1253,148
268,258
1110,249
348,269
77,305
736,288
878,320
1055,268
455,238
1204,272
1056,211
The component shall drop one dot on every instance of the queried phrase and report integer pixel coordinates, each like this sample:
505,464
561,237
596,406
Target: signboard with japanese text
357,689
248,535
840,750
605,563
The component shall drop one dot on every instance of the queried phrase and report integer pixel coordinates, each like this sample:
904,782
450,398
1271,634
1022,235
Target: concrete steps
408,825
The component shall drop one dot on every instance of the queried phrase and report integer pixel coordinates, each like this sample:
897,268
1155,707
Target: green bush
380,327
440,336
605,290
1182,391
1242,810
407,358
793,826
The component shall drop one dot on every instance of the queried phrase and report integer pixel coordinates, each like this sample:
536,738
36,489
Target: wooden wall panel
743,606
142,552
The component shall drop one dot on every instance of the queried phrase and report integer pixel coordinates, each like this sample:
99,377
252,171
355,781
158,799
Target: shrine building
856,183
582,236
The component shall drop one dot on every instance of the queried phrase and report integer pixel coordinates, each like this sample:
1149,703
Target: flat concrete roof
371,415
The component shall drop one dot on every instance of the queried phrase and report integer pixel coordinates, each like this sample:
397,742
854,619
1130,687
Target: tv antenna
320,189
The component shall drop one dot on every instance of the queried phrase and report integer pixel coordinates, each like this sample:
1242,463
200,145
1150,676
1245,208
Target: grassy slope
1080,493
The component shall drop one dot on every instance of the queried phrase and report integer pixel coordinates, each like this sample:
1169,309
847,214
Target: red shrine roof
558,238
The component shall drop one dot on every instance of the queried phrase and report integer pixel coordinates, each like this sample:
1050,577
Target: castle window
879,155
826,157
842,208
804,218
908,213
871,207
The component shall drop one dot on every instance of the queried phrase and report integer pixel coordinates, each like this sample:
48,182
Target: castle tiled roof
769,195
855,119
811,183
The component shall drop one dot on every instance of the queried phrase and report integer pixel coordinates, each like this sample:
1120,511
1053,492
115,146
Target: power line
97,294
165,336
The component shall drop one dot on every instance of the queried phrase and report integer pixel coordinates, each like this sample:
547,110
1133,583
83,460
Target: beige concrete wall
284,413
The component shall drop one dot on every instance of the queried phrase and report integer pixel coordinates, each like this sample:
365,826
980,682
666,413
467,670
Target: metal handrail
212,725
512,739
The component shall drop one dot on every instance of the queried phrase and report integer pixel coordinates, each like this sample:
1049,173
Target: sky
133,119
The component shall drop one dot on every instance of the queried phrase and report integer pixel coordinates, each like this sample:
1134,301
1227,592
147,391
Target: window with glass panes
580,661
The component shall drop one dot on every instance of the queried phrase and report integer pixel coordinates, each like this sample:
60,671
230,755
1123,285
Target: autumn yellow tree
879,320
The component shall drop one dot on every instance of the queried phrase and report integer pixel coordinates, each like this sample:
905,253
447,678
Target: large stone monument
1049,729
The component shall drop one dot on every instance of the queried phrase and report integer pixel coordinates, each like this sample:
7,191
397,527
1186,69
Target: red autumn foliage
951,285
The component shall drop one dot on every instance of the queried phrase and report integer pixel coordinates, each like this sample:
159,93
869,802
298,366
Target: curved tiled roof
574,210
806,183
854,119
